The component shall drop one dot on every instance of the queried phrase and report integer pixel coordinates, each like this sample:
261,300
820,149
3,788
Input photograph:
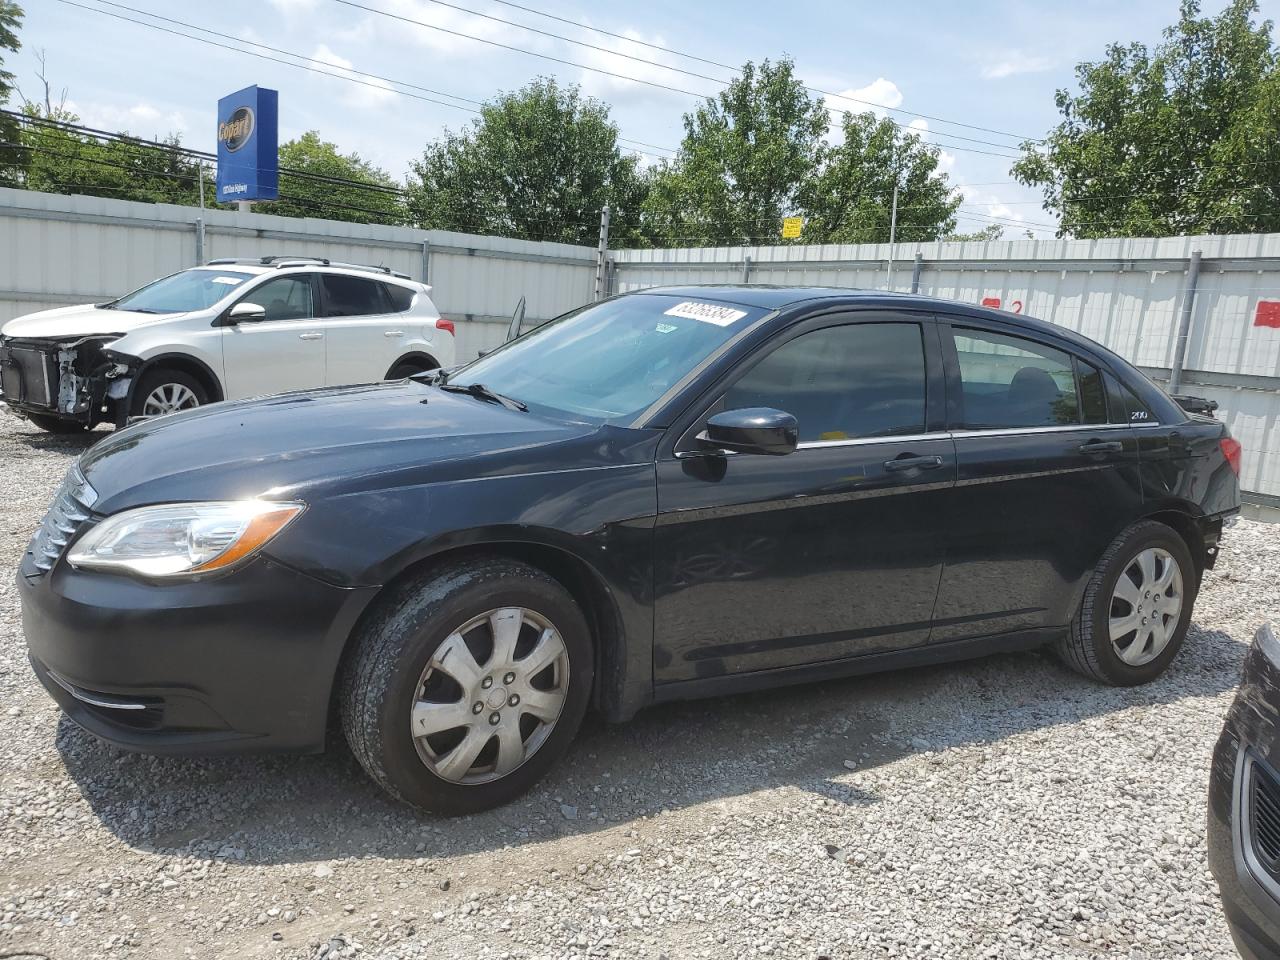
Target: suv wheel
160,392
467,684
1136,608
409,368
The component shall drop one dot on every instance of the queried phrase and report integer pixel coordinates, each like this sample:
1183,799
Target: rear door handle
393,333
912,463
311,336
1102,446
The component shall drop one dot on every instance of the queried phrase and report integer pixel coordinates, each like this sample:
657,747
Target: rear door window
1093,393
352,296
1014,382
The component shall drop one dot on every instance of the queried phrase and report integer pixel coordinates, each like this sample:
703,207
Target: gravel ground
1001,808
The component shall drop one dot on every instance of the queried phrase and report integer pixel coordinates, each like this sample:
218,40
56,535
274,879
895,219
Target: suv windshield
182,292
610,361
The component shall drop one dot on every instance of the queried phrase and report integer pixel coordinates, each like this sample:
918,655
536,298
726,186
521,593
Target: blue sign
248,144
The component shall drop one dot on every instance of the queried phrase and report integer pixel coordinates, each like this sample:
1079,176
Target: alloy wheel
1146,605
490,695
169,398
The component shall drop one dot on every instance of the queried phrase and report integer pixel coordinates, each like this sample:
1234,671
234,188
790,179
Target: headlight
180,539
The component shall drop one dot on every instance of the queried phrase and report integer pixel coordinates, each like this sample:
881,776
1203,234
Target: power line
650,83
690,56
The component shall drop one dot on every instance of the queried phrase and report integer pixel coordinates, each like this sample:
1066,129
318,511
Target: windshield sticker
706,312
229,280
667,328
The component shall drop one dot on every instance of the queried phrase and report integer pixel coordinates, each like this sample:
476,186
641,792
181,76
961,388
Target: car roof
259,269
776,297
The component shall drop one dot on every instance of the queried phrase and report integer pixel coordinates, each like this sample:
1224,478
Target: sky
942,69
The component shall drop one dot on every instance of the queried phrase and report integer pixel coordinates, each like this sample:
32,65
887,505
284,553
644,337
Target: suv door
828,552
283,351
363,333
1046,481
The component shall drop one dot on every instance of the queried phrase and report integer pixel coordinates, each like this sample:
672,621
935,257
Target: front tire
467,684
1136,608
160,392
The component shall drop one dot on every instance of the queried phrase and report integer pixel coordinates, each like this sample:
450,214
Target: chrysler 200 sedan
669,494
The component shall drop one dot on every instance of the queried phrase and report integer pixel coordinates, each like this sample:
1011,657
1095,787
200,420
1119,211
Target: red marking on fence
1017,306
991,302
1268,314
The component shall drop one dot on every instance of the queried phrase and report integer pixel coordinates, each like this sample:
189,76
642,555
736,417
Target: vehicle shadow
69,443
270,810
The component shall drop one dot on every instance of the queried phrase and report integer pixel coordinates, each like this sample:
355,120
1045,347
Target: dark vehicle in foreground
1244,805
670,494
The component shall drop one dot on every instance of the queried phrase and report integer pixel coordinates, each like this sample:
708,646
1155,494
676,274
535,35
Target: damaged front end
73,379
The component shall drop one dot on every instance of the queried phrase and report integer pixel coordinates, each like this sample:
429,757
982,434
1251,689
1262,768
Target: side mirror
752,430
244,311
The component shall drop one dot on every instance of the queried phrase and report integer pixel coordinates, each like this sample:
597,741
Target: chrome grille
71,506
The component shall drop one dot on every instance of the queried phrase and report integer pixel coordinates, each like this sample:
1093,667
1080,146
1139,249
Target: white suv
227,330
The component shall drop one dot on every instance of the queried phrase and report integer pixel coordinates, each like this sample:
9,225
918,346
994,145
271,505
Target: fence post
426,261
199,241
1184,323
916,271
602,253
746,268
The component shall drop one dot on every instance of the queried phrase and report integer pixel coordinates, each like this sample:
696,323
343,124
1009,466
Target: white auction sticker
706,312
229,280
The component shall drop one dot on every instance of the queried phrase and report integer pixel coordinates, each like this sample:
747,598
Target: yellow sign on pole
791,227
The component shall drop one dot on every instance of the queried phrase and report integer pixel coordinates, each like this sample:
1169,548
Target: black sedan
1244,805
670,494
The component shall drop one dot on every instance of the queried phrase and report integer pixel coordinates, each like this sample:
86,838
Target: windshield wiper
481,392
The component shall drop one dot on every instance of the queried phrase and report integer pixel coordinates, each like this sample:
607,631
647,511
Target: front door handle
1102,446
393,333
912,463
311,336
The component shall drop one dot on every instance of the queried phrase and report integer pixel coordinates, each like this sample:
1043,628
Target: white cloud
879,96
141,119
366,93
615,88
1014,63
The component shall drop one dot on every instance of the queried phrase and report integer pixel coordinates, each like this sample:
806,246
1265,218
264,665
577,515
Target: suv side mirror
244,311
752,430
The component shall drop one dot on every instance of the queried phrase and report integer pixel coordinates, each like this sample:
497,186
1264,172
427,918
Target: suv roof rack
280,260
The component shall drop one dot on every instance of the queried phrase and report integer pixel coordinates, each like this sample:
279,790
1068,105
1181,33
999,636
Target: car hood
79,321
322,443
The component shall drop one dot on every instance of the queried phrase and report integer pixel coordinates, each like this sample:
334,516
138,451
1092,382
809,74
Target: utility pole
602,253
893,234
200,219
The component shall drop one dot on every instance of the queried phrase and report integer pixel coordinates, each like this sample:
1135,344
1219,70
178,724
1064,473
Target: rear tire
162,391
433,707
409,368
1127,631
57,424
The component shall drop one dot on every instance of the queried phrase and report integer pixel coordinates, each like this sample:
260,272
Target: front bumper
1248,747
241,662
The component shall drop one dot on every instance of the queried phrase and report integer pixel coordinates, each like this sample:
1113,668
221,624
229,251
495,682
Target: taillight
446,326
1231,450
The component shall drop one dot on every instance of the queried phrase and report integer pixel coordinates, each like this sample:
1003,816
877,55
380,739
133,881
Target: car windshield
182,292
608,362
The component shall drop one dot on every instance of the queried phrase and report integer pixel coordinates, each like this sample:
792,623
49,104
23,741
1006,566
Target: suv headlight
182,539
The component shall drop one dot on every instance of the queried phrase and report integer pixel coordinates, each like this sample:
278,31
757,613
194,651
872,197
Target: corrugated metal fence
1129,294
59,250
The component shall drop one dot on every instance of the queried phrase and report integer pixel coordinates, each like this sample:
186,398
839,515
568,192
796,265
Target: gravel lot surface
1001,808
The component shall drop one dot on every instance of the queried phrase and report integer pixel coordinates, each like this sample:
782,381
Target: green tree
56,159
10,21
537,164
1181,139
742,162
850,198
992,232
311,191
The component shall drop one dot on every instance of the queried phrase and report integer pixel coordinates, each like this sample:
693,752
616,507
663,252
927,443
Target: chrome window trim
859,441
967,434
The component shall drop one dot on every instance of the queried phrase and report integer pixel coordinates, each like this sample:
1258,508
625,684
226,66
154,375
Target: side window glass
1012,382
1093,394
284,298
1136,410
400,298
860,380
351,296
